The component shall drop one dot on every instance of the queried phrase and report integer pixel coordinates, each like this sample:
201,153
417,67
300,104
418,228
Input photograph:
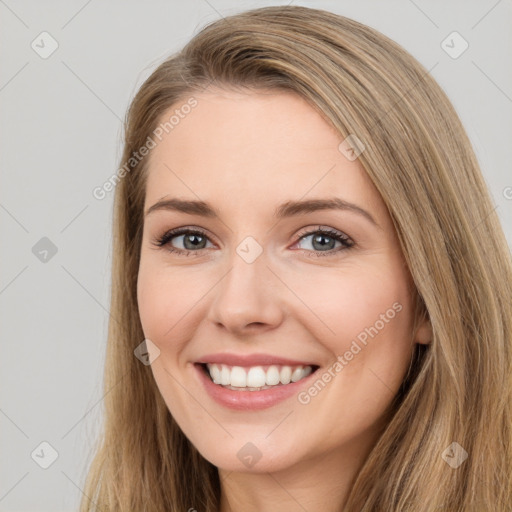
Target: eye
325,241
190,240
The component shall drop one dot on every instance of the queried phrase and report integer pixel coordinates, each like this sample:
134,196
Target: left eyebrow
287,209
291,208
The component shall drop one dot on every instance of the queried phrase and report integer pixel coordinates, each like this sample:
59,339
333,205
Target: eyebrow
287,209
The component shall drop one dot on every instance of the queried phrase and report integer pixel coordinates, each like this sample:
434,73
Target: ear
423,334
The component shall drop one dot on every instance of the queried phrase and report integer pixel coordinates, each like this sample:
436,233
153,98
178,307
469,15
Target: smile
255,378
251,382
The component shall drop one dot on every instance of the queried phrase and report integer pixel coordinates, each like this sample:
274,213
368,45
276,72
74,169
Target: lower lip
249,400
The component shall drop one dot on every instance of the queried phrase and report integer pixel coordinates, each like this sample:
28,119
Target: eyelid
323,229
164,239
346,241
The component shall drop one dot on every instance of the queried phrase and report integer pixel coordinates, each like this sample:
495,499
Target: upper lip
251,360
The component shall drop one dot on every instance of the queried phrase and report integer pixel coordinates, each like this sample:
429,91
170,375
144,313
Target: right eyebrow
191,207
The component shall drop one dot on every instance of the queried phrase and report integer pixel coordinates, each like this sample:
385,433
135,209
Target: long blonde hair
419,157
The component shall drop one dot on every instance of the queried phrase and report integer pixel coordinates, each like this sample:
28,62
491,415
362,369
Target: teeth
225,376
238,377
300,373
215,373
286,375
256,377
272,376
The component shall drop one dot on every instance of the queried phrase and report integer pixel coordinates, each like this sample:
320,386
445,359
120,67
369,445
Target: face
271,285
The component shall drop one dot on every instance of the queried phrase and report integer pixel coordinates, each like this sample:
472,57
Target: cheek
366,327
155,301
165,303
152,301
370,314
355,304
169,300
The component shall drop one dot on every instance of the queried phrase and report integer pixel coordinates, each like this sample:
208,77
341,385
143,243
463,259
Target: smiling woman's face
263,286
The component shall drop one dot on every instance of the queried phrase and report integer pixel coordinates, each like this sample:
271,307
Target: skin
245,153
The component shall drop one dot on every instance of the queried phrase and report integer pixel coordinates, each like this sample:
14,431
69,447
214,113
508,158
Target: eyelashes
168,236
321,233
196,239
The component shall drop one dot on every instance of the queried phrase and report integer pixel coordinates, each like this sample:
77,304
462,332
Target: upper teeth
256,376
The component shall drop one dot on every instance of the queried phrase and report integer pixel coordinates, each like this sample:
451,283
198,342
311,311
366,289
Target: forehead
254,148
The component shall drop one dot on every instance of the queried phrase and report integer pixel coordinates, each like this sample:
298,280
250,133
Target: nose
248,298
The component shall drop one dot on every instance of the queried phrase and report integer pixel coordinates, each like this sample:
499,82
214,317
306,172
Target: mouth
255,378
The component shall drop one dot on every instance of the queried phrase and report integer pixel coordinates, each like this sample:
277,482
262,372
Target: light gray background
60,139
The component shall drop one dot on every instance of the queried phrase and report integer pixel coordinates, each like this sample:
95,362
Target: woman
305,243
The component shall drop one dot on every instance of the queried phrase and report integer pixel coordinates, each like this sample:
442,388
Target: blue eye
192,240
324,242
